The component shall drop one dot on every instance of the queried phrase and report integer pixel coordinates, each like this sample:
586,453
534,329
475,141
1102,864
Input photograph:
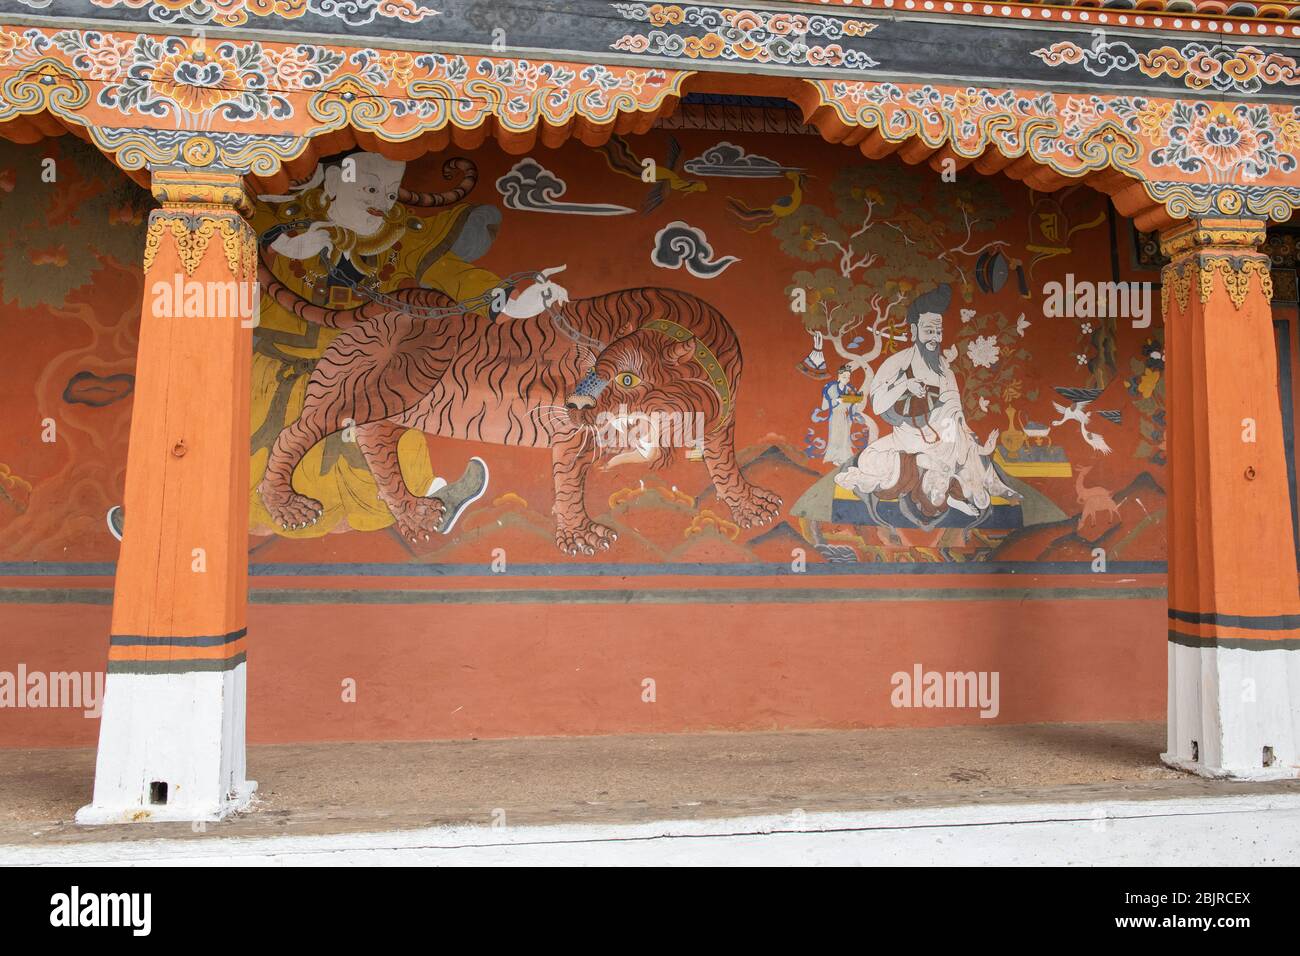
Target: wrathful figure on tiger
417,339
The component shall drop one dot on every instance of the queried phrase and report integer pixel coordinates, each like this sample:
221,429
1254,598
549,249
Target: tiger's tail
468,179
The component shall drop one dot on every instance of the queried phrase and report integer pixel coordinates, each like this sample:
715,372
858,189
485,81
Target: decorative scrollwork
44,85
1190,200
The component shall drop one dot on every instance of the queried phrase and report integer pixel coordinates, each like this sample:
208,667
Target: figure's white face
844,377
929,331
361,204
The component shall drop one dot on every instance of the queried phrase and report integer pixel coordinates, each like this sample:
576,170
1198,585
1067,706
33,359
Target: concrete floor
343,788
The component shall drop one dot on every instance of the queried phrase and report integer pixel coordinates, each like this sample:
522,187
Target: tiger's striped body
509,382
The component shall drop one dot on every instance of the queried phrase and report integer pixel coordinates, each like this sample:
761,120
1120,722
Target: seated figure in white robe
931,456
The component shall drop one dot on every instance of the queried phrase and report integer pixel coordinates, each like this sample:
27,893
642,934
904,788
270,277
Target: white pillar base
181,731
1228,704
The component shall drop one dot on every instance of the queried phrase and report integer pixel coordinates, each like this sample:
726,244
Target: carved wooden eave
1168,124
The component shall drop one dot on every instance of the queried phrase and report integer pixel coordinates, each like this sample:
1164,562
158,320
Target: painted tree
875,253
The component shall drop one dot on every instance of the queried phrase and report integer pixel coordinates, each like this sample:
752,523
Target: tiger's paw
417,519
755,508
584,537
290,510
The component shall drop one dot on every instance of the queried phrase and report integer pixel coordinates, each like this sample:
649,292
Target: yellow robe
408,250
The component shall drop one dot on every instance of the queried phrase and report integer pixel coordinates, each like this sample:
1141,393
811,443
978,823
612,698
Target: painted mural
714,348
70,291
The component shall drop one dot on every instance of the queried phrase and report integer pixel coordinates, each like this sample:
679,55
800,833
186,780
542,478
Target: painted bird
1082,397
622,160
762,217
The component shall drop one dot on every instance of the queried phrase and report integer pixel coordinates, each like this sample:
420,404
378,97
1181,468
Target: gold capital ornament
196,206
1206,248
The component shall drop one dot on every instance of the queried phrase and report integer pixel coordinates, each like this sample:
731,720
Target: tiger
416,360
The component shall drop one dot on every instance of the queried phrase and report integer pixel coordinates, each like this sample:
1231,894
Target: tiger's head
640,384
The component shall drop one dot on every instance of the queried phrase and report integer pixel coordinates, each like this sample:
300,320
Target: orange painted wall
459,673
69,300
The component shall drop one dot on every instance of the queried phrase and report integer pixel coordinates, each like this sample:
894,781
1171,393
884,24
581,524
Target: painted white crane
1080,399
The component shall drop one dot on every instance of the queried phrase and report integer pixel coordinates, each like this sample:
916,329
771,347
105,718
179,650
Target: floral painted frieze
400,95
1228,141
251,105
755,36
194,82
181,77
1245,69
154,100
1076,134
233,13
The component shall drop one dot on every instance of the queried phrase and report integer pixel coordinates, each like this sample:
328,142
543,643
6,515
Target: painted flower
286,68
1022,324
11,43
984,404
1081,114
637,80
102,56
964,104
1152,119
401,66
195,79
967,315
1081,359
1286,120
1086,328
1222,137
983,351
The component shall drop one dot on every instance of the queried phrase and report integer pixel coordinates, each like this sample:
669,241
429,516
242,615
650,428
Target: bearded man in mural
931,461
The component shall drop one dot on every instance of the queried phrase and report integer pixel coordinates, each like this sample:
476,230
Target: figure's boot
467,489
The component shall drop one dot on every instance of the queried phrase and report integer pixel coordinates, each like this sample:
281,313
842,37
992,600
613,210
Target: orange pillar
1234,607
171,740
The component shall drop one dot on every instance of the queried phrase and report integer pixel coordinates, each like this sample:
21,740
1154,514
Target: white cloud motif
531,187
679,245
728,159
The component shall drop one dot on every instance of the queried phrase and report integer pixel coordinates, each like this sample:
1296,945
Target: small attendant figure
841,403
